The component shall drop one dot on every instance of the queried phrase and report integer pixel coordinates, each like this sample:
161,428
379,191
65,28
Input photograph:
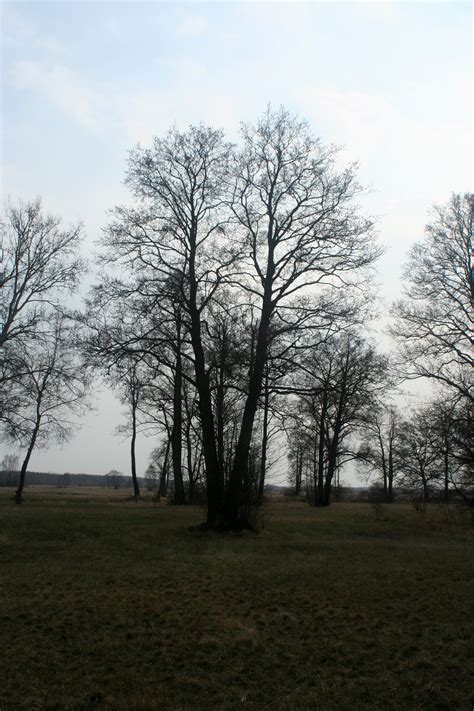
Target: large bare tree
302,235
176,232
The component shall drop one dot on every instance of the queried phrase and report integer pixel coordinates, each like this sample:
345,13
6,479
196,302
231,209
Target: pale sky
83,82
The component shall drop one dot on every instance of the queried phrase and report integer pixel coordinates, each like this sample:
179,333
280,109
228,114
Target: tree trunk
319,492
163,474
446,471
136,488
189,459
179,497
389,497
214,484
220,389
299,471
263,459
426,493
24,466
330,471
333,448
232,508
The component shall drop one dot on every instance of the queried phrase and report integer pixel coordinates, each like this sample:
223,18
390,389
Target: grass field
111,604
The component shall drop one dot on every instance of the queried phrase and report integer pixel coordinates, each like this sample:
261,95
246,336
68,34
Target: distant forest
112,481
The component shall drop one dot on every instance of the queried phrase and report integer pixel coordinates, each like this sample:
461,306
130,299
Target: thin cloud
61,88
192,25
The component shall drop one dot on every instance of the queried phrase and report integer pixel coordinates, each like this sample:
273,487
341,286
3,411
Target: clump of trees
336,392
429,448
232,306
261,242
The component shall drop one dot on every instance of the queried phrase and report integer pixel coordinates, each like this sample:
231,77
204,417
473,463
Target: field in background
111,604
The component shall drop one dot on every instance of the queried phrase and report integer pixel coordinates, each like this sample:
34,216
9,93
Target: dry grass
111,604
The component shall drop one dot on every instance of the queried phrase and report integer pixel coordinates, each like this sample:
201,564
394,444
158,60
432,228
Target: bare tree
40,264
434,323
451,438
159,463
441,415
130,380
378,451
418,456
177,231
462,450
301,233
137,327
343,378
51,385
301,449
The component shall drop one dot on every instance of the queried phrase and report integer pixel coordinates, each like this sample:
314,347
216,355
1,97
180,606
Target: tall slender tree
51,386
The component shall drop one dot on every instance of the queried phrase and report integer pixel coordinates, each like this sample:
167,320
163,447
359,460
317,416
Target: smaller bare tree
378,450
418,456
51,385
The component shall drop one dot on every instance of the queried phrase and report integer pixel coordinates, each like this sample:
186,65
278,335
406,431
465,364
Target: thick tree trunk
426,492
239,472
333,447
214,484
330,470
213,474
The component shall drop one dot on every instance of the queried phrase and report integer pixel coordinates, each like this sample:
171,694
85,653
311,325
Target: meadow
111,604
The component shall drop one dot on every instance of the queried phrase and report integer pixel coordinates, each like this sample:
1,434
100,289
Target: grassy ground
111,604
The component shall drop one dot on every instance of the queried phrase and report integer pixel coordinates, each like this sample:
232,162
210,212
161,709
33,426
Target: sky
391,83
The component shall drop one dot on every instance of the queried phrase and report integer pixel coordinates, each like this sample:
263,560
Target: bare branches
434,324
263,244
41,260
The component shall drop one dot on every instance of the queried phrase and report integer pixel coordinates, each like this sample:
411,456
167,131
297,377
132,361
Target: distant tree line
232,318
112,480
